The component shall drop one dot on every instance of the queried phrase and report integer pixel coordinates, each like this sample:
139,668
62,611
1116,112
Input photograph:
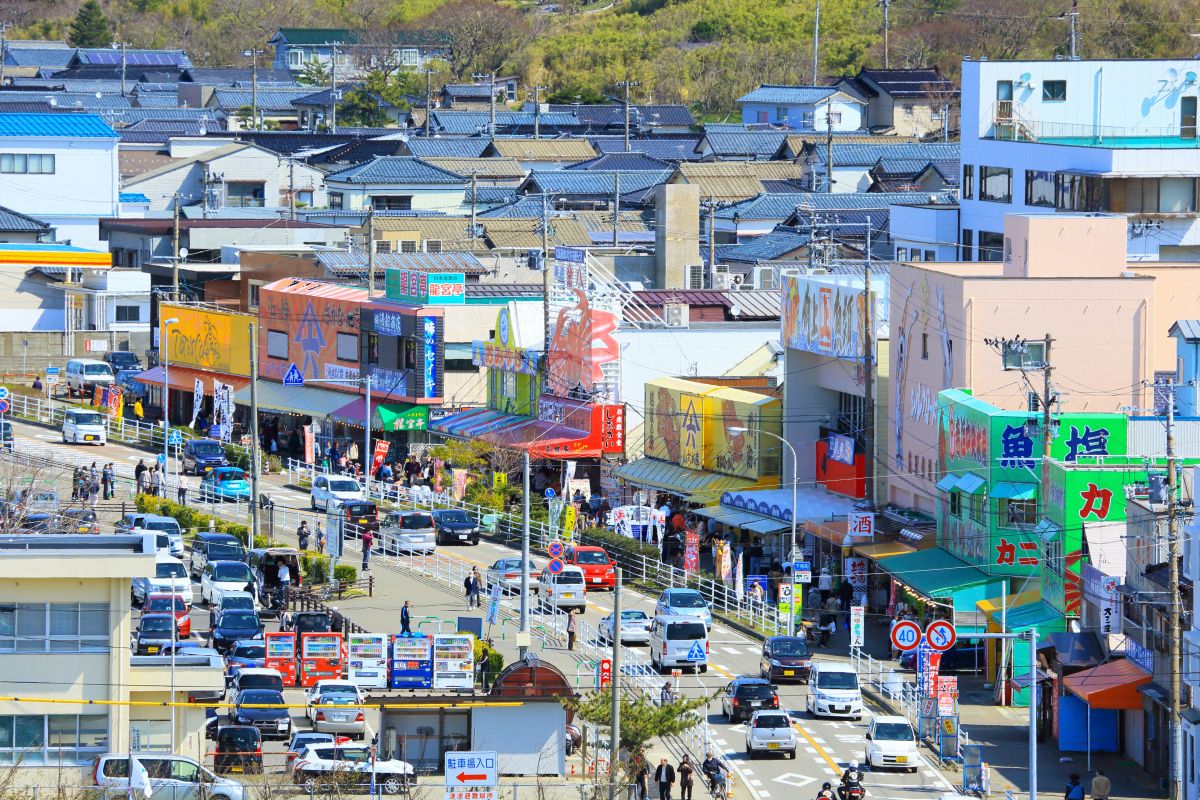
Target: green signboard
425,288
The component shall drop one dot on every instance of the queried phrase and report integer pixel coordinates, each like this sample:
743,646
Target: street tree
90,27
482,35
641,720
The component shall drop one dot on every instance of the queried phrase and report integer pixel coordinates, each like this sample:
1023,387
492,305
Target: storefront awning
1075,649
970,483
184,378
814,503
949,481
384,416
1013,491
935,572
697,485
767,526
1113,685
471,422
302,400
728,516
878,550
1032,615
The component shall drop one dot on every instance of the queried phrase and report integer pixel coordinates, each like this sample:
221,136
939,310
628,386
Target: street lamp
738,430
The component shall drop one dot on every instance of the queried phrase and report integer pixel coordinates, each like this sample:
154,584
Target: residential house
427,234
624,162
163,61
422,147
736,143
855,165
507,123
37,54
907,102
652,120
541,154
111,300
315,108
357,51
274,105
485,171
473,96
733,181
19,228
396,183
671,150
796,146
579,189
804,108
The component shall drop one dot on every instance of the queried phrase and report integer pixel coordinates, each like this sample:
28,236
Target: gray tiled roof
470,147
781,206
469,122
753,144
396,169
662,149
622,162
867,155
268,100
13,221
787,95
767,247
593,182
39,56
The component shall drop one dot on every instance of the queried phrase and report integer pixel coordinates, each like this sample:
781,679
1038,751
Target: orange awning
1113,685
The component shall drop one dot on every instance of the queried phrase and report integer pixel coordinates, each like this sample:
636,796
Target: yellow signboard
746,455
207,339
499,480
674,429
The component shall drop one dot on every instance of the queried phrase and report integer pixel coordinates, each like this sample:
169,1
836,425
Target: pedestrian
571,629
641,780
825,584
665,695
405,620
337,622
471,588
139,475
1074,789
181,489
368,539
302,534
106,480
1101,786
138,411
152,481
686,773
321,539
93,491
664,774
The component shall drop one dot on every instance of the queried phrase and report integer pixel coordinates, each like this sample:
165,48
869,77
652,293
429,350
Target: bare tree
482,35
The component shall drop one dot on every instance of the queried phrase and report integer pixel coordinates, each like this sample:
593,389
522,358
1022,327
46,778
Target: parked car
455,526
635,627
785,658
239,749
684,603
964,656
257,678
565,590
211,546
235,601
507,573
132,389
223,484
77,520
234,626
345,717
305,622
172,777
122,359
245,654
333,764
82,375
201,456
596,565
317,693
219,577
302,739
770,732
264,566
334,489
891,742
38,501
154,633
273,723
407,532
833,691
746,694
170,604
156,524
7,440
170,577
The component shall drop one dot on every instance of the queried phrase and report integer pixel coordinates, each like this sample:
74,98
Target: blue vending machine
411,662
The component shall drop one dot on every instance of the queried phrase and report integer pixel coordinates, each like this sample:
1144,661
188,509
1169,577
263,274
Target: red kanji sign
1095,501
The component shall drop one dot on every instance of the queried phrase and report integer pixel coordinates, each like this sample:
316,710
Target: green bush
318,568
345,573
613,541
260,540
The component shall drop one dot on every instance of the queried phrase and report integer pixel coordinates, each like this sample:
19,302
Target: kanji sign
860,526
906,635
1006,553
858,627
1095,501
604,673
941,635
480,793
801,572
691,552
856,572
466,768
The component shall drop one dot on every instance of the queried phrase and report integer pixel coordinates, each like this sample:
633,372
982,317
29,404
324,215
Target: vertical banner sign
381,451
197,399
570,515
493,610
310,453
429,330
860,527
856,573
858,626
691,553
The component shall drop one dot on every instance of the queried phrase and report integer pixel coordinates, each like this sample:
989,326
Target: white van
833,691
83,426
565,590
82,374
678,642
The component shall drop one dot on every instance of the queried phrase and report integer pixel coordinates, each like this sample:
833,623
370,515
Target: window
1054,558
806,119
1007,250
433,246
907,109
295,59
978,505
408,246
1039,188
991,246
955,503
1029,355
410,58
968,181
781,114
391,202
129,314
22,164
761,116
277,344
245,194
995,184
337,200
1017,513
52,738
968,245
930,255
254,287
372,348
924,346
901,253
54,628
1054,91
347,347
835,117
914,255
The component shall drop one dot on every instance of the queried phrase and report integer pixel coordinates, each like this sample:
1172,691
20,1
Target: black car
270,722
962,657
231,627
239,749
122,359
306,622
455,526
785,658
78,520
154,634
745,695
203,455
360,515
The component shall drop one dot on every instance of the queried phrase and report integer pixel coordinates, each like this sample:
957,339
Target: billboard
512,370
674,427
314,326
741,454
207,339
582,343
425,288
825,315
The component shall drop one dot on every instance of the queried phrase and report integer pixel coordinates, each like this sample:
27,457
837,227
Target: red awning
1112,685
184,378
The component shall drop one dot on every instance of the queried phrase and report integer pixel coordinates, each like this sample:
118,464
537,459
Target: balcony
1011,122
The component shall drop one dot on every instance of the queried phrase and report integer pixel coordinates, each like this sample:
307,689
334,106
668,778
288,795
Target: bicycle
718,787
329,590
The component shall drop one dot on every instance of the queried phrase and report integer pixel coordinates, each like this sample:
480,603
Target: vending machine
453,661
320,657
367,660
412,662
281,654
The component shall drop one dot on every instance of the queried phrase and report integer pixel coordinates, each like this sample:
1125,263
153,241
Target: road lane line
824,755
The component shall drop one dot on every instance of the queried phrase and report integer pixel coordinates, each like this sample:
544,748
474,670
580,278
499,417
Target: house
356,50
19,228
798,145
236,175
472,96
541,154
732,181
661,120
804,108
737,143
485,171
396,183
507,123
907,102
274,105
855,165
60,169
588,189
421,147
36,53
673,150
164,61
314,108
111,300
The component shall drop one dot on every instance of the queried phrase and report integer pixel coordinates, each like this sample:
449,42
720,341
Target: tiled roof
628,222
140,58
510,290
482,90
358,151
765,206
623,162
470,147
735,180
522,207
75,126
127,116
74,84
344,264
268,99
867,155
748,144
663,149
787,95
490,168
39,56
289,143
157,100
467,123
493,195
526,234
613,115
795,143
231,76
543,149
396,169
14,222
451,231
27,107
591,183
321,98
908,82
67,100
768,247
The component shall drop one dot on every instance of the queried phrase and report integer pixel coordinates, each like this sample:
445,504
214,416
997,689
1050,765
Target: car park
83,375
84,427
770,732
245,654
155,632
172,777
77,520
407,532
635,627
210,546
170,604
891,742
329,491
678,642
746,694
257,678
336,764
157,524
262,708
170,577
235,601
340,712
785,658
684,603
306,622
597,567
455,526
219,577
507,573
833,691
202,456
223,484
233,626
302,739
315,695
565,590
238,749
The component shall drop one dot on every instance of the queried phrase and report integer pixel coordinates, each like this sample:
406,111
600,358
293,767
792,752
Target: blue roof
141,58
768,247
268,99
493,194
662,149
469,122
74,126
788,95
522,208
746,144
396,169
39,56
867,155
622,162
133,197
128,116
471,147
46,248
592,182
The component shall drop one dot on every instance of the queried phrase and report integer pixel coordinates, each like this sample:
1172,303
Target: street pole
291,188
524,629
627,84
868,376
4,50
175,252
371,251
1047,438
616,207
166,339
174,646
614,735
816,42
537,112
428,100
254,442
1033,695
1173,593
368,461
546,275
333,88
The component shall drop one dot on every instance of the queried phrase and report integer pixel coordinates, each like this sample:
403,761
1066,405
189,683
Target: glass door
1187,117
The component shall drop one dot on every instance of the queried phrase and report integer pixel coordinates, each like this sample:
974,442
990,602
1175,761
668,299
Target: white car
219,577
314,693
635,627
42,501
891,742
324,763
170,577
833,691
84,427
330,491
770,731
506,573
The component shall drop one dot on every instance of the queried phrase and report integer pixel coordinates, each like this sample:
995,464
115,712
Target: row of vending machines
374,660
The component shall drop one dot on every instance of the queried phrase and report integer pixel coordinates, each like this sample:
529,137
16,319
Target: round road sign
556,549
3,406
555,566
906,635
941,635
3,392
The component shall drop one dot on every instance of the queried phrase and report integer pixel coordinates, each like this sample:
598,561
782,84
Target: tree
641,721
482,35
90,28
360,107
314,73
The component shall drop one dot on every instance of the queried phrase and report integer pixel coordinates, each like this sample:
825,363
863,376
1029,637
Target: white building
62,170
1105,136
804,108
397,183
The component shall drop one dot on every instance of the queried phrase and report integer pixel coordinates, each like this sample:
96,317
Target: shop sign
213,341
389,323
856,572
573,255
612,428
824,317
860,527
429,331
1140,655
1101,591
581,343
336,372
425,288
389,382
841,448
505,359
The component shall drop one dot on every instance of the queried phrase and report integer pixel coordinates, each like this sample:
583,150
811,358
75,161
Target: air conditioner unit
675,315
695,276
723,281
764,278
737,278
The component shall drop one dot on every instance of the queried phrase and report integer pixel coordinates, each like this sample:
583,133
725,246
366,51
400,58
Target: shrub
260,540
318,568
345,573
616,543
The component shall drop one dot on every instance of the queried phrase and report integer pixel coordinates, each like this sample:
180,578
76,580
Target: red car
597,567
166,604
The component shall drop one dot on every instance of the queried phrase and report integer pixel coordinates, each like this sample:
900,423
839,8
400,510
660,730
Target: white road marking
731,651
755,782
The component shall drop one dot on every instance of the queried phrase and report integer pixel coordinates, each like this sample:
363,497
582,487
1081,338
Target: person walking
302,534
152,483
572,629
106,481
405,620
139,475
664,775
665,695
825,584
686,773
1074,790
181,489
368,539
641,780
471,589
321,539
1101,786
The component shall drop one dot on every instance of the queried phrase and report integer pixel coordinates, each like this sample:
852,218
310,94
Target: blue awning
1014,491
970,483
949,481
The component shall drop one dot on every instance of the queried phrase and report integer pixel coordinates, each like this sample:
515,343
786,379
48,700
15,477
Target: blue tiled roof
749,144
787,95
74,84
268,100
662,149
128,116
471,147
867,155
133,197
157,100
493,194
39,56
594,182
769,247
469,122
396,169
13,221
469,90
521,208
765,206
67,100
622,162
75,126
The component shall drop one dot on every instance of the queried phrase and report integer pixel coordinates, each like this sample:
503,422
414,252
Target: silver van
566,590
87,427
678,642
168,525
171,777
83,374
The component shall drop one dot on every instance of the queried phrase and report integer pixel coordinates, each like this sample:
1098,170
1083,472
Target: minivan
212,546
83,426
833,691
678,642
264,565
407,532
84,374
565,590
158,524
122,359
202,455
257,678
239,749
171,776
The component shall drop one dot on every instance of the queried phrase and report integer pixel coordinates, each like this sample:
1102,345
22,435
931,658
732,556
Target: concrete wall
47,347
677,222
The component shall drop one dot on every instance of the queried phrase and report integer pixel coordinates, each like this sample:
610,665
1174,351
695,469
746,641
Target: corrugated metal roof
268,99
317,289
470,147
483,167
663,149
500,290
755,304
544,149
76,126
866,155
526,234
787,95
691,297
344,264
396,170
1188,328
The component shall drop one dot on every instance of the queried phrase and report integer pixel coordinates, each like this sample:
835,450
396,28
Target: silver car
407,532
506,573
635,627
349,720
172,777
770,731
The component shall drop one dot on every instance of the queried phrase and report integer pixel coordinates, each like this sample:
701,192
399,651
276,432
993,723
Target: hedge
345,573
188,517
615,541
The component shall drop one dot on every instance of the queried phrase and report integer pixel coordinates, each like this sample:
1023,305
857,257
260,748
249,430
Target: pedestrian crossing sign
696,653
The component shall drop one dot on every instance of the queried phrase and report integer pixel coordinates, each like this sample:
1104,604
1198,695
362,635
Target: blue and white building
1082,136
804,108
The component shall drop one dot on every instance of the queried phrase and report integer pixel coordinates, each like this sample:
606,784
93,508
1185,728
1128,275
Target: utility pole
255,444
616,208
868,374
537,111
491,79
175,253
884,5
1074,30
291,188
1173,593
122,95
4,50
829,146
370,255
428,99
816,42
522,639
546,274
712,239
1047,401
614,733
253,54
474,199
333,88
627,84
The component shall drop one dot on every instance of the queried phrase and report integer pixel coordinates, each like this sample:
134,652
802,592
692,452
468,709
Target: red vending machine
281,655
320,657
